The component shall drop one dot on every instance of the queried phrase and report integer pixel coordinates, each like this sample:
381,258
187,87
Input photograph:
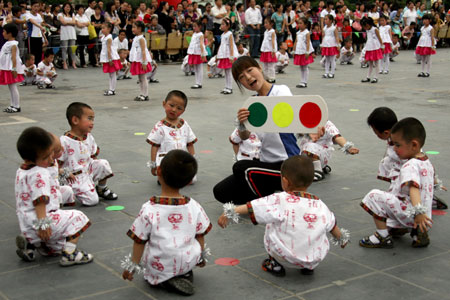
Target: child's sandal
76,258
109,93
271,266
386,243
12,110
420,238
318,175
179,285
106,193
24,250
326,169
141,98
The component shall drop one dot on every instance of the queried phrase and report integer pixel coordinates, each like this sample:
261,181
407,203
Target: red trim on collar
423,158
304,195
68,134
27,166
169,200
179,125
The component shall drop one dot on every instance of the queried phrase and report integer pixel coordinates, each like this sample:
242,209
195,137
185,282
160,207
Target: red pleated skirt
301,60
373,55
387,48
425,51
195,59
136,68
268,57
224,63
117,65
6,77
329,51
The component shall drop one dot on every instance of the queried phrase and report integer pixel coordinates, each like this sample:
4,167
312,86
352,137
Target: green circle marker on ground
115,207
139,133
432,101
432,152
283,114
258,114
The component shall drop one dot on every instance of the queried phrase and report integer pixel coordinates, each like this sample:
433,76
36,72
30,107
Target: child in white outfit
297,222
30,70
197,54
46,72
347,53
282,59
186,67
245,149
213,70
269,50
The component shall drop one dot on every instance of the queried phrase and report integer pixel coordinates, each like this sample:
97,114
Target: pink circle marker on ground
432,121
227,261
437,212
310,115
206,151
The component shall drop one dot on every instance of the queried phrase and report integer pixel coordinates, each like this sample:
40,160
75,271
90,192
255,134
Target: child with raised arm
169,231
321,148
42,223
297,222
172,132
408,202
80,157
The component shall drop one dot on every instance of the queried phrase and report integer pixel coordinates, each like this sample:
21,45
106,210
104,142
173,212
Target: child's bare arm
201,240
235,149
341,141
223,220
138,250
420,220
190,149
153,152
336,232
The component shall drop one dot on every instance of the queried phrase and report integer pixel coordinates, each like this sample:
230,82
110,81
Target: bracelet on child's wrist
130,266
42,224
204,255
347,146
344,239
414,211
152,164
229,211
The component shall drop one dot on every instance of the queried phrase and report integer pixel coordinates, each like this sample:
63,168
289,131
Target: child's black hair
122,30
384,17
329,3
179,94
75,109
32,141
382,119
11,28
410,129
299,170
367,21
396,35
306,22
109,26
48,52
141,25
427,17
15,10
178,168
227,21
330,17
78,6
241,64
270,20
348,39
28,56
198,22
412,24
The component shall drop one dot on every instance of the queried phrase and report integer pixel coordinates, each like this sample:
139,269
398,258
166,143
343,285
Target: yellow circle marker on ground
139,133
432,101
282,114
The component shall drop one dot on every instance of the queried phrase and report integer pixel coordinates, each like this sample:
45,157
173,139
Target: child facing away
395,47
386,38
11,67
319,149
46,72
30,70
140,59
303,51
374,49
197,54
245,149
172,132
330,46
296,221
426,46
347,53
407,204
110,59
213,70
282,58
169,231
43,225
126,65
269,50
80,157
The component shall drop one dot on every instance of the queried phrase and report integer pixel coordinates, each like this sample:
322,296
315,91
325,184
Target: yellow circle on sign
282,114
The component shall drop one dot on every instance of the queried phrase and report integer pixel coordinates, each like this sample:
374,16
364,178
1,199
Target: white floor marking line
19,120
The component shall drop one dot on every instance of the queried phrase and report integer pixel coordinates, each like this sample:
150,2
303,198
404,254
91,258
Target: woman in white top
37,36
82,23
68,35
197,54
112,17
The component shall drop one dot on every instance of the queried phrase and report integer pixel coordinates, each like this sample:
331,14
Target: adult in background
218,12
82,23
37,29
91,8
97,20
410,15
289,22
357,30
253,19
68,34
112,17
278,18
209,16
329,10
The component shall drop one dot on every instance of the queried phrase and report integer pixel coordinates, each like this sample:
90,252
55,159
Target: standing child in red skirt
330,46
304,51
374,49
110,59
226,54
426,46
11,67
197,54
140,59
269,50
386,37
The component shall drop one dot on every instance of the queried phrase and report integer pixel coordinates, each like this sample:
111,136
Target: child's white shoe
76,258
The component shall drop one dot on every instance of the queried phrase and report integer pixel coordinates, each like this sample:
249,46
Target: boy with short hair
409,200
347,52
213,70
46,72
169,230
242,51
395,47
80,157
282,58
296,221
30,71
123,73
43,225
121,41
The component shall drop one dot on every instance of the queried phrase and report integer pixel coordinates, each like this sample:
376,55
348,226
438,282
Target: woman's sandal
386,243
318,175
271,266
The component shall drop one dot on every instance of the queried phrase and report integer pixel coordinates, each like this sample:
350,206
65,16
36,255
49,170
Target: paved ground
352,273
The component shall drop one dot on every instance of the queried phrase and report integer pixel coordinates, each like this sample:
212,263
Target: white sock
428,66
198,74
271,70
377,68
370,69
228,80
317,165
327,64
101,186
70,247
15,98
333,64
383,232
423,64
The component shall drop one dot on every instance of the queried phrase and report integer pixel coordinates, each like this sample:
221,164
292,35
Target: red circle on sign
227,261
436,212
310,115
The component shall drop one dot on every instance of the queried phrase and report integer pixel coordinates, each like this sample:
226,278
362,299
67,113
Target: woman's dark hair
109,6
241,64
78,6
71,9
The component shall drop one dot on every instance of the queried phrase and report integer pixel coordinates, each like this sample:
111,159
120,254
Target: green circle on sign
283,114
432,152
258,114
115,207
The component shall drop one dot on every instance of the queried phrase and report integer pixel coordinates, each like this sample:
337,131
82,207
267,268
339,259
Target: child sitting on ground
151,75
123,73
245,149
30,71
296,222
347,52
282,58
409,200
187,68
169,230
80,157
362,58
319,149
44,226
46,72
172,132
395,47
213,70
242,51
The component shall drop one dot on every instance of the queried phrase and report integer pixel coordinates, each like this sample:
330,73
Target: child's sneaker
386,243
420,238
76,258
271,266
106,193
179,285
25,250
